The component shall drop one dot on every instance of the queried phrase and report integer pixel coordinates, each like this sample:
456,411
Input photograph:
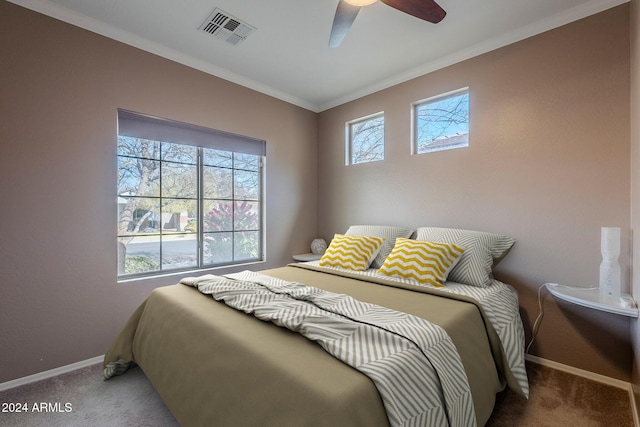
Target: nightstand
307,257
623,305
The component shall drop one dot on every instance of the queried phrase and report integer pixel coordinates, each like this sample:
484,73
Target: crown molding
71,17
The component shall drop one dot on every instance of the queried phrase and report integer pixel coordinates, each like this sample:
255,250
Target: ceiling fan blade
345,15
427,10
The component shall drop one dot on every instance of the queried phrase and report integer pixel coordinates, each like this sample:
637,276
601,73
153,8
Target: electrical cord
538,321
536,324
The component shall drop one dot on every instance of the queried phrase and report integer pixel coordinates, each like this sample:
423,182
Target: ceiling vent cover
226,27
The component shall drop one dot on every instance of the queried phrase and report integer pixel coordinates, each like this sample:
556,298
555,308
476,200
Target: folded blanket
497,301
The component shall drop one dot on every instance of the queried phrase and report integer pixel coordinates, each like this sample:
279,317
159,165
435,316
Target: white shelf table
624,305
307,257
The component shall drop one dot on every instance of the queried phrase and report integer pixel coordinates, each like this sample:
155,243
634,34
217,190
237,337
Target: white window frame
234,150
415,125
349,151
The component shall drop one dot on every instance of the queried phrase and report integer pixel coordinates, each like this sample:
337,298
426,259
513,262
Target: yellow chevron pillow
424,262
351,252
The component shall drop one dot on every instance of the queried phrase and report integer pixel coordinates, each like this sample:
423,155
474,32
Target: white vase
610,279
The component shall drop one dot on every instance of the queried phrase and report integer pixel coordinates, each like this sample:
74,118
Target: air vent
226,27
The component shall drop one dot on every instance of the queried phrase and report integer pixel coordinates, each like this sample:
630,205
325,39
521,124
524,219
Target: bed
215,365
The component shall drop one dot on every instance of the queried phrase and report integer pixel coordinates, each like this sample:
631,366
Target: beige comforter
215,366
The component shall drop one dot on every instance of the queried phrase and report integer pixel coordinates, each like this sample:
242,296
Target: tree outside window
365,139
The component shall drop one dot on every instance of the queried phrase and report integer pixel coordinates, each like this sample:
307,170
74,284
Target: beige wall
548,163
61,86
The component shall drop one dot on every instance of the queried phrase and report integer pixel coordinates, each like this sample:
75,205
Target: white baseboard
591,376
50,373
634,409
578,372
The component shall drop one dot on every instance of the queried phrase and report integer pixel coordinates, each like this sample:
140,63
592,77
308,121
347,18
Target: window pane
442,123
138,177
218,183
246,245
175,214
179,251
138,215
366,139
179,180
139,254
138,147
246,161
220,158
246,185
179,153
218,216
218,248
246,216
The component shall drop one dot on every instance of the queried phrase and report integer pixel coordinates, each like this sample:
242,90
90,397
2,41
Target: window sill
177,275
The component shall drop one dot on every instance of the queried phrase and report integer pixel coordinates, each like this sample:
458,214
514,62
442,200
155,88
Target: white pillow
482,252
390,233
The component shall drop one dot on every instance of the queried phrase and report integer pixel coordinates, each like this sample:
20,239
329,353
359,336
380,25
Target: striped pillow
351,252
425,262
483,252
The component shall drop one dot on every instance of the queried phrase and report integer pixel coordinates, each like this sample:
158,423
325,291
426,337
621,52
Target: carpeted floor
557,398
81,398
125,401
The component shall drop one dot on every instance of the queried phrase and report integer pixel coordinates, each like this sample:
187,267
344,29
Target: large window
441,123
365,139
188,197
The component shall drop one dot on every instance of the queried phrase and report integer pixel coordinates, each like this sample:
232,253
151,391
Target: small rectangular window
188,197
365,139
441,123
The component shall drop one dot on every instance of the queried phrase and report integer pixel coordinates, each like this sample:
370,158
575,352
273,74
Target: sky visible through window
442,123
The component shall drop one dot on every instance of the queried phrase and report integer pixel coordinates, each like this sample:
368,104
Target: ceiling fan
347,11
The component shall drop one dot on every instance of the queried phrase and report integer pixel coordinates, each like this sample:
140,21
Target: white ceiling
288,55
